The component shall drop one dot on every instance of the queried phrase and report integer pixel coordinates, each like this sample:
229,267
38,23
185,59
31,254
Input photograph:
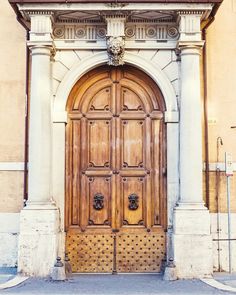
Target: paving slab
7,273
131,284
226,278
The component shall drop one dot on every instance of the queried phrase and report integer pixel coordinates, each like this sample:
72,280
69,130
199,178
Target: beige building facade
36,90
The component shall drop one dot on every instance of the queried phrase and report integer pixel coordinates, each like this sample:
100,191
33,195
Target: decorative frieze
133,31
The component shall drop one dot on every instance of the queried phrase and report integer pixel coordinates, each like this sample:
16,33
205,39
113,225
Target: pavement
123,284
7,273
9,277
130,284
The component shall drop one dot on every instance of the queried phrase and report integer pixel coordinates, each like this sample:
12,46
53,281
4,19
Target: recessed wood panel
156,175
99,208
131,101
99,143
101,101
132,143
133,192
76,176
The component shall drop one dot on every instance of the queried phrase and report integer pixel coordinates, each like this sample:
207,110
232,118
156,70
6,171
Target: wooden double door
115,173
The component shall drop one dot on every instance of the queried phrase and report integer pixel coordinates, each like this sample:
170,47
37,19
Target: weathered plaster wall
12,113
221,49
12,110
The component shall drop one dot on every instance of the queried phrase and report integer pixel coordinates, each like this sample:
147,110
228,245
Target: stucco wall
221,49
221,69
221,60
12,110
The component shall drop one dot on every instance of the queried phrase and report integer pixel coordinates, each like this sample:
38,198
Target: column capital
41,27
188,47
41,48
190,26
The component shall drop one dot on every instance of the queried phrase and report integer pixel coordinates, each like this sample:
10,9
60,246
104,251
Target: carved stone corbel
115,50
115,40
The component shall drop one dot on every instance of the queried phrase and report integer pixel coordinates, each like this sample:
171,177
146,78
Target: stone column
39,221
40,128
190,127
192,244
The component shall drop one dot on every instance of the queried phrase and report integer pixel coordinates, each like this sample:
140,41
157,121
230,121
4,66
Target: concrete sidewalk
7,273
131,284
226,278
115,284
9,278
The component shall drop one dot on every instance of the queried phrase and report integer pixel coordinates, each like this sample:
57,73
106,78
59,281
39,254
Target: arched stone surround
150,67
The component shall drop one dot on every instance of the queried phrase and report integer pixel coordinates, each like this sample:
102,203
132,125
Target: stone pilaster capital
41,26
39,48
190,26
190,48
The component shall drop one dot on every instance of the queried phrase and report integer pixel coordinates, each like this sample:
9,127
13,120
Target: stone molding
11,166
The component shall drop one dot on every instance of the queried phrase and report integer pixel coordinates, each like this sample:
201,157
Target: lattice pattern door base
140,252
105,253
90,252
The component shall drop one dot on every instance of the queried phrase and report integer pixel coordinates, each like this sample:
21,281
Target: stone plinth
38,241
192,243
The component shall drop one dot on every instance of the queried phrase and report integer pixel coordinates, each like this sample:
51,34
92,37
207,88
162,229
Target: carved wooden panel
132,194
99,202
156,129
131,101
132,139
99,143
90,252
140,252
101,100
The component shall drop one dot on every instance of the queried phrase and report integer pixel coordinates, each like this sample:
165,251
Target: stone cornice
116,1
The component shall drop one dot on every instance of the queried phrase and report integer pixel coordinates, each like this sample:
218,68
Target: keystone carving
115,39
115,50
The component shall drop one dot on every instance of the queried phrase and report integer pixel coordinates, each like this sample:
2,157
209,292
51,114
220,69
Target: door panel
142,252
133,202
99,202
90,252
115,186
99,143
132,139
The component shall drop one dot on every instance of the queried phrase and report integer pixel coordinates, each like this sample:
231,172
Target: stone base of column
38,241
192,242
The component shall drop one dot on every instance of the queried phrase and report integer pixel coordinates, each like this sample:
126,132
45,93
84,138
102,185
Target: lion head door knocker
133,202
98,201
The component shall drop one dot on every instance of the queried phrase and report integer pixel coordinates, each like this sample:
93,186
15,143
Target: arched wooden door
115,163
